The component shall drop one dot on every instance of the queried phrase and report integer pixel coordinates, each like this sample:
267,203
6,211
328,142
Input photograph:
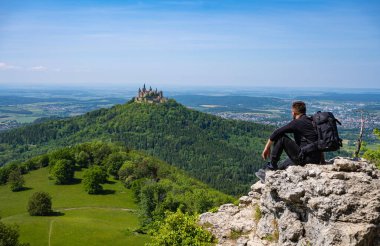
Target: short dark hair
299,107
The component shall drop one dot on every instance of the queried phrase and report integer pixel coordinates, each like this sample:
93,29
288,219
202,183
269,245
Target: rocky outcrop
336,204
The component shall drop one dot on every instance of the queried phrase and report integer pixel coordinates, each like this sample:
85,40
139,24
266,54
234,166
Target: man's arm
266,151
288,128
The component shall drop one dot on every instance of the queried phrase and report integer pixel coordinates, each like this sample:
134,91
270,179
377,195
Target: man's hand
266,151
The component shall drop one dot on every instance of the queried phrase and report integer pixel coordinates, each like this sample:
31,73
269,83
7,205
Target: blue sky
296,43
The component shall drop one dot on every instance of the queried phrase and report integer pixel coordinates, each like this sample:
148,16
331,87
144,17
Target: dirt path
50,230
107,208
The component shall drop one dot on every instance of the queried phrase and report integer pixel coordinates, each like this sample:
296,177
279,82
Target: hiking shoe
270,166
261,175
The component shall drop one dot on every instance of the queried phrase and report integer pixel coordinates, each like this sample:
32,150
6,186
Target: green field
107,219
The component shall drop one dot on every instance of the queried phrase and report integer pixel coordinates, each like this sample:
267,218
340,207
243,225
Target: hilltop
222,153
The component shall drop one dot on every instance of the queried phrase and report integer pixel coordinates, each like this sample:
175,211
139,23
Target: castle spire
150,96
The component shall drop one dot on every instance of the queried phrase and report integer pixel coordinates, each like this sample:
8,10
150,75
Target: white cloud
5,66
38,69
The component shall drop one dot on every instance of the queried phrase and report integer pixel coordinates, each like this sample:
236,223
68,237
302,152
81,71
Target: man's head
298,108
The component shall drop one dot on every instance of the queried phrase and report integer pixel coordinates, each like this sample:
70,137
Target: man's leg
291,149
285,164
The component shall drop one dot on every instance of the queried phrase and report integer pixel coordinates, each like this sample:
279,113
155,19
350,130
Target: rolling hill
222,153
140,193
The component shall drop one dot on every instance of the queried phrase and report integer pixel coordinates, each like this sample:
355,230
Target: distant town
348,113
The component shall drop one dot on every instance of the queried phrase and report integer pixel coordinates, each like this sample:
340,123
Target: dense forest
222,153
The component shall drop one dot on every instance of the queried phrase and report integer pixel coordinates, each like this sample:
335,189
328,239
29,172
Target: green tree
83,159
9,235
4,173
16,180
93,178
6,170
62,154
151,194
100,151
374,155
126,171
179,229
40,204
63,171
114,162
43,160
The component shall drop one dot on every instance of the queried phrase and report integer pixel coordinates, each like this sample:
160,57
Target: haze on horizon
289,43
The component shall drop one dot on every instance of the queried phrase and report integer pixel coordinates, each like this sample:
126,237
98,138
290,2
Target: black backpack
326,128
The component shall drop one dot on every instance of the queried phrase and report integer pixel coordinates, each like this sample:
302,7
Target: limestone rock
336,204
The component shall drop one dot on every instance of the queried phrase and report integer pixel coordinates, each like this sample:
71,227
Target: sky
274,43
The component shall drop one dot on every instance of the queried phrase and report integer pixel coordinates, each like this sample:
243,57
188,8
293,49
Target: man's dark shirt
301,127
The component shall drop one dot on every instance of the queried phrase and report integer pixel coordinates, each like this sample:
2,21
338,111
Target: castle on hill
150,96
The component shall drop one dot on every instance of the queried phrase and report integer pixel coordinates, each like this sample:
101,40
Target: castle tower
150,96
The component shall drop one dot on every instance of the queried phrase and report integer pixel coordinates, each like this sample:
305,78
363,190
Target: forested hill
223,153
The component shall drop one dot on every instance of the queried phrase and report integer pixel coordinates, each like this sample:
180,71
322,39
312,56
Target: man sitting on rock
302,128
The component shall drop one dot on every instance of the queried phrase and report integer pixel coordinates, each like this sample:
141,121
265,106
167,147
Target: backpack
327,131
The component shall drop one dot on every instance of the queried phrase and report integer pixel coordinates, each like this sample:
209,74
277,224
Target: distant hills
347,97
222,153
229,103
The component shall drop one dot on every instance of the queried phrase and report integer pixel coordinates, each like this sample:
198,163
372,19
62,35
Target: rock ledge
336,204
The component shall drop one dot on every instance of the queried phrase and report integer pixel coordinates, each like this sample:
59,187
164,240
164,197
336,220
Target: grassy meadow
81,219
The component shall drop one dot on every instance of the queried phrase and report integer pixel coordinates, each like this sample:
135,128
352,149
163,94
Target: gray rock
322,205
257,187
245,200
